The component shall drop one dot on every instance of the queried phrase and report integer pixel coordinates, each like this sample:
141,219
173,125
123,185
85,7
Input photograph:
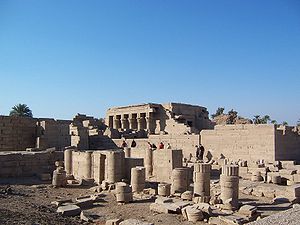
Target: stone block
69,210
113,222
159,208
135,222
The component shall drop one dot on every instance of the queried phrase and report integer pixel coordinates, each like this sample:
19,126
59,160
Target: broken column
138,179
164,189
229,181
123,192
180,182
59,177
149,162
201,179
68,161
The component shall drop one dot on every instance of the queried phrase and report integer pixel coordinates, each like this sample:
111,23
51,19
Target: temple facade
159,118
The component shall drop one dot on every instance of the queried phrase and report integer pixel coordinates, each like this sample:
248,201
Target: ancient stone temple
159,118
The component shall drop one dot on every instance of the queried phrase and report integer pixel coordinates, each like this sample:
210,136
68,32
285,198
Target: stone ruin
244,159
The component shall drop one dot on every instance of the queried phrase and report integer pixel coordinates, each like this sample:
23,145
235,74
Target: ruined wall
244,141
54,133
164,161
184,142
27,164
287,142
17,133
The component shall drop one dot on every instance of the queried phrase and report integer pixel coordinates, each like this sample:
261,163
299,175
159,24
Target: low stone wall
184,142
253,142
163,162
27,164
245,141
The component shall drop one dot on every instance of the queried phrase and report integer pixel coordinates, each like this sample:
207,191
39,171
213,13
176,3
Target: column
202,181
140,123
149,124
229,181
68,161
124,122
138,179
88,165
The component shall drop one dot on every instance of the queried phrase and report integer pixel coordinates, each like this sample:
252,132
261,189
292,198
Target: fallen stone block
161,200
135,222
205,208
69,210
89,217
85,202
159,208
113,222
61,202
248,210
233,219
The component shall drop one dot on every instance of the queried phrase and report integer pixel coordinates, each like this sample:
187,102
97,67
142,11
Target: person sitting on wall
149,145
169,146
124,144
133,144
201,152
153,146
161,146
197,152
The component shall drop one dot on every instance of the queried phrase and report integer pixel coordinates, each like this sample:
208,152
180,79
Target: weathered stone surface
69,210
113,222
135,222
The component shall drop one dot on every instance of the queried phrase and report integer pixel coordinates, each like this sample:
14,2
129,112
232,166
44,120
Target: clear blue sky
62,57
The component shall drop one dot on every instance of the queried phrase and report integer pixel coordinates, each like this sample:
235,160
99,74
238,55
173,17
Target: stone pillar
68,161
88,165
140,123
201,179
116,123
123,192
148,162
180,180
164,189
229,181
149,124
137,179
127,152
114,166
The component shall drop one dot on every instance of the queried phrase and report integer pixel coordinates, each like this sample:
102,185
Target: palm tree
284,123
21,110
298,122
273,121
257,119
219,112
265,119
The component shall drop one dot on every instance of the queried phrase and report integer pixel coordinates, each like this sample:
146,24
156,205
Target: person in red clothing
161,146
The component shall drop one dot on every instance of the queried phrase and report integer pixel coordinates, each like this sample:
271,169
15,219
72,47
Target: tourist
161,146
124,144
153,146
169,146
149,145
201,151
133,144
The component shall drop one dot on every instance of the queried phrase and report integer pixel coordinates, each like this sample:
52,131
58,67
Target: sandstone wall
27,164
287,142
184,142
244,141
55,133
17,133
164,161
